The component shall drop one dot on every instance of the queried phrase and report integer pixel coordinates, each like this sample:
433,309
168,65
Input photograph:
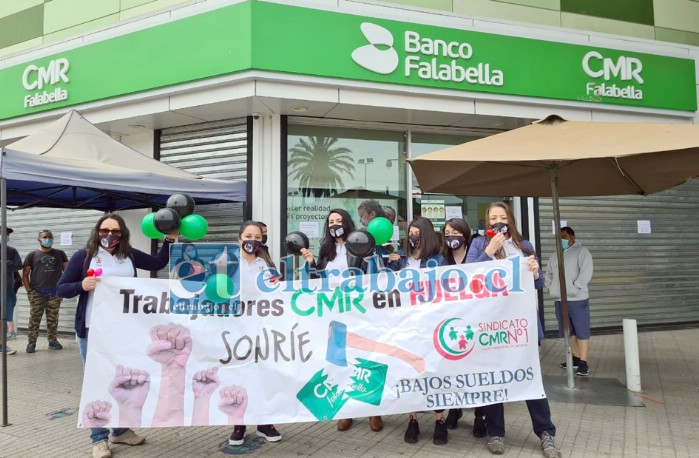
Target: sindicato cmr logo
378,56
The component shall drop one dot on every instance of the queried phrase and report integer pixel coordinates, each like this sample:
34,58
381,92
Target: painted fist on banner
130,387
96,414
171,344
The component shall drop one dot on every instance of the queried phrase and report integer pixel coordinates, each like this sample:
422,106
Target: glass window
339,167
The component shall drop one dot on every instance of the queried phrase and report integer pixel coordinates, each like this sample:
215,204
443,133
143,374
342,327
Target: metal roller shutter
653,278
26,224
216,150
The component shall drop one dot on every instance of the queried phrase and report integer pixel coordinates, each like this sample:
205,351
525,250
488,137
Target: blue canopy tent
70,163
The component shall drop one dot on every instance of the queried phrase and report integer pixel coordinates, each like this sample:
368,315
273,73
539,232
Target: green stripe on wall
638,11
22,26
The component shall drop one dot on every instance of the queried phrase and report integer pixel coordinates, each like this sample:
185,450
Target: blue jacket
71,282
476,253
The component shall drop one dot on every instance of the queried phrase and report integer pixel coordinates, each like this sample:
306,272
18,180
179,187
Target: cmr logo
34,78
378,56
627,69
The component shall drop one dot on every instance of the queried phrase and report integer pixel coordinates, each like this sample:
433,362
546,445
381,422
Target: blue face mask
47,243
564,244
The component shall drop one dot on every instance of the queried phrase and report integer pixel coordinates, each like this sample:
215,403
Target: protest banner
313,349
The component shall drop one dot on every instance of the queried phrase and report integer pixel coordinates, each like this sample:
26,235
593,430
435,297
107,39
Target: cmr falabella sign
35,79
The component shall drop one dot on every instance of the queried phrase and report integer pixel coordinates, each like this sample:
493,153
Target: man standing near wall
578,270
40,274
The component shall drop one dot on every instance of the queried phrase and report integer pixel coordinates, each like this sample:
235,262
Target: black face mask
251,246
336,231
455,242
499,227
414,240
264,239
109,241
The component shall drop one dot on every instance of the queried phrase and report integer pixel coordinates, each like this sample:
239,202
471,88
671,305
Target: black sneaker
269,432
31,347
237,436
576,363
583,370
54,345
441,435
413,432
453,418
479,429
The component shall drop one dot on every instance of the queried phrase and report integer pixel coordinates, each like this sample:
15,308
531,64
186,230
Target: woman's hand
533,266
393,257
308,256
89,283
495,244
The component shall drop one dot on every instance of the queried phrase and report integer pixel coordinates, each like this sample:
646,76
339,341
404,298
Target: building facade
318,105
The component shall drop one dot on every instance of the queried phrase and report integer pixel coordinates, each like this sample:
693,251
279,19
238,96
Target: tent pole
3,294
553,172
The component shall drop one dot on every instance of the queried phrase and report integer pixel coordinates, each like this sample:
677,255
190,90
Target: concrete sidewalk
44,391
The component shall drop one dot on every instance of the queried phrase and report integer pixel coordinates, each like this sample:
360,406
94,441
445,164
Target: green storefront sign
255,35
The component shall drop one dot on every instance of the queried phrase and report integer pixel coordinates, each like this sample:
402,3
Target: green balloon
219,288
148,227
193,227
381,229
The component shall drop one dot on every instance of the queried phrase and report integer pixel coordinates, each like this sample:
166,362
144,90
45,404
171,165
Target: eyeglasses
109,231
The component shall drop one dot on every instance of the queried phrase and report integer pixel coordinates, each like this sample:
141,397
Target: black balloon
360,243
183,204
166,220
295,241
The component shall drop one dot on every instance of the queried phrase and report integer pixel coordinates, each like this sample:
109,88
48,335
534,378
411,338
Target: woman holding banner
457,237
107,253
254,261
422,249
333,255
503,241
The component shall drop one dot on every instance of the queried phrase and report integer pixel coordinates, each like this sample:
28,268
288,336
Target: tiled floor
44,390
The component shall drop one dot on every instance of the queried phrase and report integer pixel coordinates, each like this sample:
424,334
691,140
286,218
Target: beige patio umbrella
554,157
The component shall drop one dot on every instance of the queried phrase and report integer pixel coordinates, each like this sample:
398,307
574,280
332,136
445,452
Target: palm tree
318,166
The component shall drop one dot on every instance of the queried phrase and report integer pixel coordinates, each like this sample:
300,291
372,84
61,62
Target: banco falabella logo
454,339
379,55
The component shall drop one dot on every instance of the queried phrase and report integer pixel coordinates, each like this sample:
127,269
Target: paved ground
44,390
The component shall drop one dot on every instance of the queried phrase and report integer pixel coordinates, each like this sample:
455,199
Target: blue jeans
539,412
97,434
11,302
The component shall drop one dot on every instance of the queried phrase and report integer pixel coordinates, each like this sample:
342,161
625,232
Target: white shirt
413,263
511,251
111,266
340,261
249,271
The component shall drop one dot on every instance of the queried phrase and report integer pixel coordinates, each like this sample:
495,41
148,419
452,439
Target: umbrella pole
553,171
3,295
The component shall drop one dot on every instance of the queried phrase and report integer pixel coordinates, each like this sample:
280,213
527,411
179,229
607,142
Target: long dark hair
327,244
515,236
429,240
261,253
123,250
462,226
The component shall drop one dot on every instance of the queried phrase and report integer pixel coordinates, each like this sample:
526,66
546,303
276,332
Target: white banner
453,336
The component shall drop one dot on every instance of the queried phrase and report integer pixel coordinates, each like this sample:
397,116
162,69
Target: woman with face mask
333,256
108,248
333,253
254,261
457,239
503,241
422,249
